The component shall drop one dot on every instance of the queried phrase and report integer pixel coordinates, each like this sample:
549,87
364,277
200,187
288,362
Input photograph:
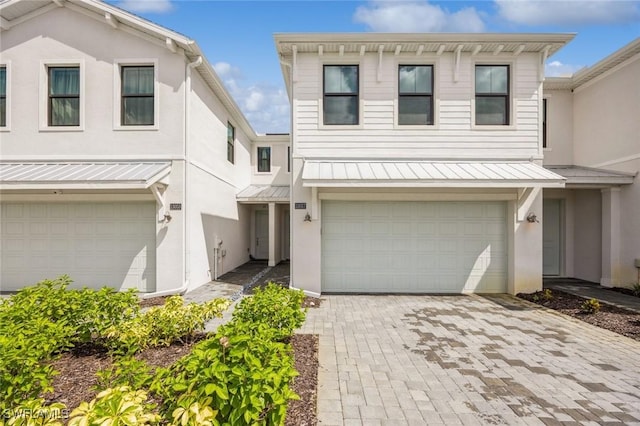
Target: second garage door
96,244
414,247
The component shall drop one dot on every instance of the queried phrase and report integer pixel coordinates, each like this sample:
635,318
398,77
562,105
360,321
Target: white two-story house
124,161
417,161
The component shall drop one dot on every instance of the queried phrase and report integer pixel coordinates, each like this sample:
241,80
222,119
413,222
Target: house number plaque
300,206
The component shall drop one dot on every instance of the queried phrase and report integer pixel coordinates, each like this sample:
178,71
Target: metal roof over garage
460,174
82,175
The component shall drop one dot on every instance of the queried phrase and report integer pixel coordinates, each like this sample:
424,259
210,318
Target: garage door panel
444,247
91,242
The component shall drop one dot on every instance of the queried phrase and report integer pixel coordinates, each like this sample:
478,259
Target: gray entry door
551,240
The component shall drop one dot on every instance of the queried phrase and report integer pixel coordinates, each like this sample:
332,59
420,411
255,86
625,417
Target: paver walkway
468,360
592,290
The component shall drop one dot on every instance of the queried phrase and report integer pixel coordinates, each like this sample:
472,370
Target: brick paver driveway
468,360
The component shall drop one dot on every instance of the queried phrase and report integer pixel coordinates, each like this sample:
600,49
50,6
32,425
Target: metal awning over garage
81,175
452,174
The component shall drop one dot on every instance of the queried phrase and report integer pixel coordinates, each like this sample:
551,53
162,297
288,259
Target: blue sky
237,36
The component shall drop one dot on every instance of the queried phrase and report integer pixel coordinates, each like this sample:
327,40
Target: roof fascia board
578,86
63,186
31,15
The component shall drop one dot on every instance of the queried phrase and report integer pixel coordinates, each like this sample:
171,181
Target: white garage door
414,247
96,244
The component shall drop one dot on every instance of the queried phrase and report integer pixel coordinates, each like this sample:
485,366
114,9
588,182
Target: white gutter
171,292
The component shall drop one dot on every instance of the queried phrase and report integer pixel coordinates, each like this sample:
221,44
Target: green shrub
245,378
547,294
636,289
196,415
162,325
274,306
242,374
126,371
590,306
115,407
40,321
35,413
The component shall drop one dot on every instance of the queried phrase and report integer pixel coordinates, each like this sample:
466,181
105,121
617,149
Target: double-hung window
231,137
3,96
137,95
340,100
415,94
492,95
264,159
63,96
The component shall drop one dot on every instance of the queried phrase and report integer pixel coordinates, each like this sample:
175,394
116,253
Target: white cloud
417,16
147,6
265,105
569,12
558,69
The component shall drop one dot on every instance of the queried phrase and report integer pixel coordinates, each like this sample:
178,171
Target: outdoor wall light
167,217
532,218
307,217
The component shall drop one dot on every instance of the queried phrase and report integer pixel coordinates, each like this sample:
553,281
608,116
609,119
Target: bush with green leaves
590,306
120,406
274,306
636,289
125,371
242,374
162,325
41,321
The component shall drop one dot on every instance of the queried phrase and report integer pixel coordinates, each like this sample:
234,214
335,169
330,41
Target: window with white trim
264,159
63,96
492,95
3,96
137,107
341,97
231,138
415,94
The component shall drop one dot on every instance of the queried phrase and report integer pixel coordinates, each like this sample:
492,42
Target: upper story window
415,94
231,137
544,122
492,94
264,159
137,95
289,159
64,96
340,94
3,96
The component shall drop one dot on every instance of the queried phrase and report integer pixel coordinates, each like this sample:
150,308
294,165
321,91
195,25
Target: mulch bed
78,370
303,411
623,290
609,317
311,302
154,301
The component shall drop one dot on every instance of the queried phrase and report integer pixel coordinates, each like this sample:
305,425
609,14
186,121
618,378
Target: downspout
185,236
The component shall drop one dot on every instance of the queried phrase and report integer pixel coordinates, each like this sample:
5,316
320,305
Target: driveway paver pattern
468,360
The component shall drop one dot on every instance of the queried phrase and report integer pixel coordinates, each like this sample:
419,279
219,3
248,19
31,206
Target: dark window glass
64,96
3,96
137,96
340,94
492,94
231,137
415,94
544,123
289,159
264,159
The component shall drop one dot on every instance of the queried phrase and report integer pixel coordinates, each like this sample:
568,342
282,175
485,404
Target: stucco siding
559,150
65,35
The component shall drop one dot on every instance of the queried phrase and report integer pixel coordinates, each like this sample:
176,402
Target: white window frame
270,159
512,94
7,66
117,88
346,60
435,92
44,94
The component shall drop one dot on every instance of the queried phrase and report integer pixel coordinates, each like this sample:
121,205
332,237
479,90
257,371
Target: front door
551,240
262,234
